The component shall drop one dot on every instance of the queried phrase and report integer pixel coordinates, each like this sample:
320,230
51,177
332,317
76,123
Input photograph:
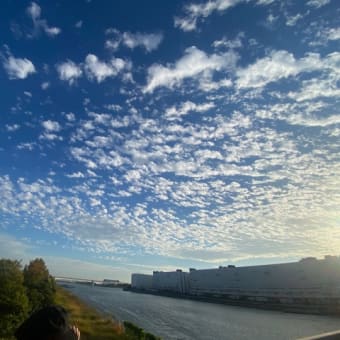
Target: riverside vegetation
22,291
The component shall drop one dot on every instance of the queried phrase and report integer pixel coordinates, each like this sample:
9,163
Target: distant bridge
75,279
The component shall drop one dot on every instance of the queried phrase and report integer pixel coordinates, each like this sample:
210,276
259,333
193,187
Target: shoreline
332,309
171,317
96,325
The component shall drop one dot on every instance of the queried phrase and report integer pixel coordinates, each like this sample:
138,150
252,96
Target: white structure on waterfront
297,282
141,281
171,281
304,279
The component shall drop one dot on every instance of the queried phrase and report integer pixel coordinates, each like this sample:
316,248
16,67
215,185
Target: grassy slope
91,324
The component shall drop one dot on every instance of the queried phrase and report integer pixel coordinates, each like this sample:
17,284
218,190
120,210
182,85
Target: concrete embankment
298,306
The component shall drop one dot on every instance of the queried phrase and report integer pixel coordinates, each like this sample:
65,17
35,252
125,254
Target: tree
40,285
13,299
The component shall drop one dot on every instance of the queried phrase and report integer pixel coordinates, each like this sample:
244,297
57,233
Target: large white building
309,282
308,278
171,281
141,281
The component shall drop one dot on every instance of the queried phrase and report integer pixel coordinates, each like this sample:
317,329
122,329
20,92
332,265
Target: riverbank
300,306
173,318
96,326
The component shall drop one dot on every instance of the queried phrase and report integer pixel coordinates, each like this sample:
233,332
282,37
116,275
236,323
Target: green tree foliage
13,298
39,284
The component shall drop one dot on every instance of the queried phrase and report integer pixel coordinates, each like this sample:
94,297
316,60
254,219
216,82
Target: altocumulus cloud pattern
137,136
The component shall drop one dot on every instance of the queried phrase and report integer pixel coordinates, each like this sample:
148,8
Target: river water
172,318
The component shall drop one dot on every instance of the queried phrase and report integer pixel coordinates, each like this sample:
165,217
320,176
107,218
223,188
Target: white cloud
50,136
51,126
271,21
69,71
316,88
18,68
186,107
193,64
292,20
196,11
265,2
26,146
34,12
12,128
45,85
333,34
278,65
282,64
52,31
218,146
149,41
70,117
207,84
211,160
304,113
113,107
318,3
304,120
100,70
203,155
113,44
76,175
78,24
235,43
321,36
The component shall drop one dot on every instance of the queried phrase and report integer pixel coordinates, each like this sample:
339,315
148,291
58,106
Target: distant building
108,282
308,282
141,281
308,278
171,281
111,281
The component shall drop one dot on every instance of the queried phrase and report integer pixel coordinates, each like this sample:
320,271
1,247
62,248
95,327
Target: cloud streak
278,65
198,12
193,64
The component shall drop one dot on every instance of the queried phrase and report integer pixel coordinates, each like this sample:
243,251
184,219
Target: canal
172,318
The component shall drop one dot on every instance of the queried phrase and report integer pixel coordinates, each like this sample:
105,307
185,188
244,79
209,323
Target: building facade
141,281
307,279
308,282
171,281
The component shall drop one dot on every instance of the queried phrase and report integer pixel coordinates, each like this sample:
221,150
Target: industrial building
309,282
308,278
141,281
171,281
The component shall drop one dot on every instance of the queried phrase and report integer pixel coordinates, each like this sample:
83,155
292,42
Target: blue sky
162,135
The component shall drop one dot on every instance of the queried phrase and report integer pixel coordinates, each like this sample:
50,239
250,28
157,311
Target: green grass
92,325
96,326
